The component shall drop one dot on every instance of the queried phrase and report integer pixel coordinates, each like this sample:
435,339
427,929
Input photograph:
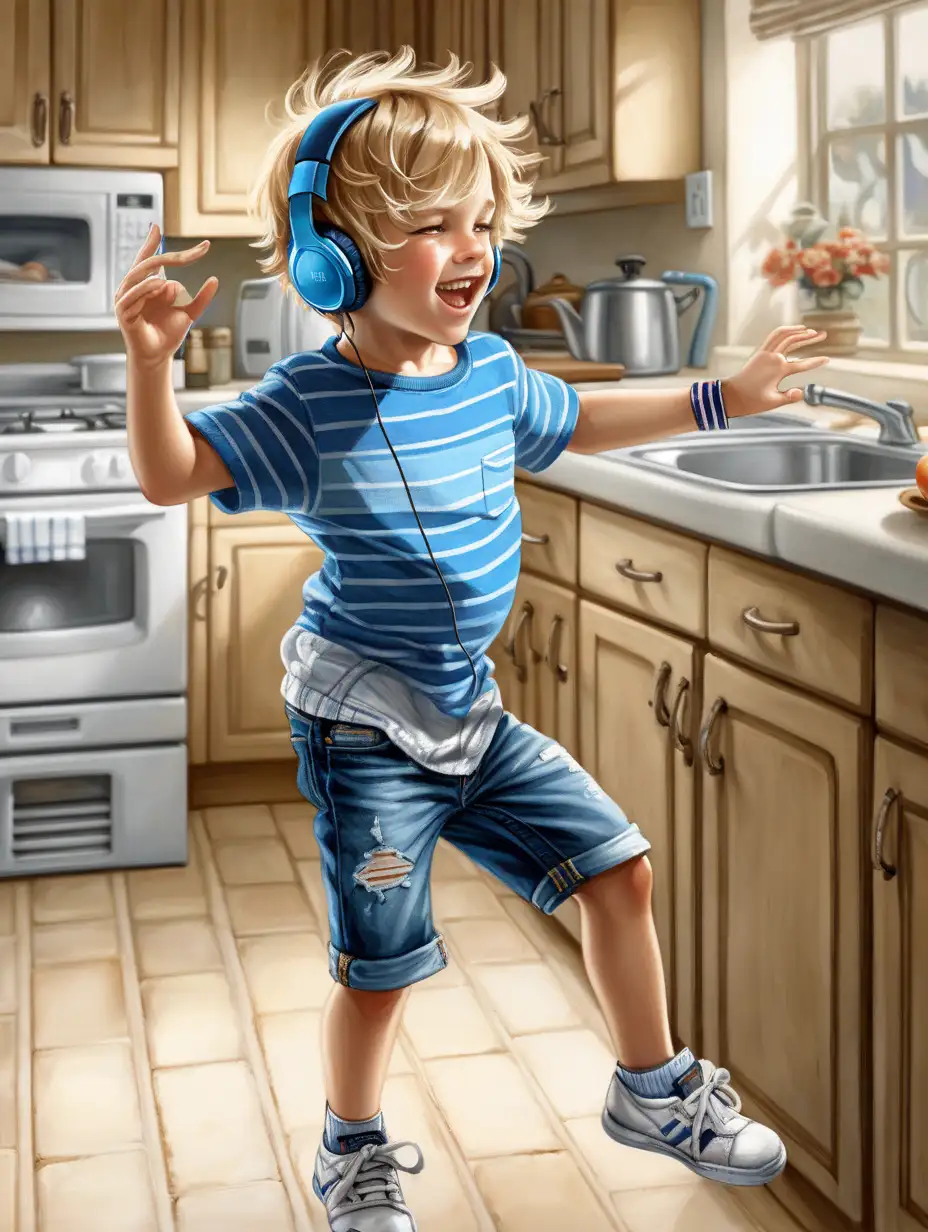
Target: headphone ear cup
497,267
362,279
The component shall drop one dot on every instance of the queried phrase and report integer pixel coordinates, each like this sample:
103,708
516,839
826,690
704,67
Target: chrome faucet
897,426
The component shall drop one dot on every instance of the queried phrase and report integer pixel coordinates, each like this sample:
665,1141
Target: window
866,118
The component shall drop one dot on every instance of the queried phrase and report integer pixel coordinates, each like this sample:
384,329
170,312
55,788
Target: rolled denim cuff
708,406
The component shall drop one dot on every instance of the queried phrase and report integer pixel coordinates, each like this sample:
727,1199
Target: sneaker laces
715,1100
367,1177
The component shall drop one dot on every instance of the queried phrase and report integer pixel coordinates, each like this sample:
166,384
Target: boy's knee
632,881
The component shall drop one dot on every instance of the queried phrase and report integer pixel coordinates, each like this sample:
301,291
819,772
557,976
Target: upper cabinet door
116,74
240,58
24,81
583,121
380,25
531,55
470,29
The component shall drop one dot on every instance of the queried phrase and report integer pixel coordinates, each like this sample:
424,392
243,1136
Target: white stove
93,641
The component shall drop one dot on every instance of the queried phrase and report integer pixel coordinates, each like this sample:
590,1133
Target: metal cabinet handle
39,119
890,796
540,539
552,654
786,628
526,614
199,591
67,110
537,109
658,702
681,742
221,574
719,706
627,570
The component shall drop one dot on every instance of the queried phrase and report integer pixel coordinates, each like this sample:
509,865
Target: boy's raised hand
153,311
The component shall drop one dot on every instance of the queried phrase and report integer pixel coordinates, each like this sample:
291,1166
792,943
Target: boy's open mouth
458,292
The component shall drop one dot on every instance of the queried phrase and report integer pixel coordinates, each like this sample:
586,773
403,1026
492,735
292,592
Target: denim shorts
529,814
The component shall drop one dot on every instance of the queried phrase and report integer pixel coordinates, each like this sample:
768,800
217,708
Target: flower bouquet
831,272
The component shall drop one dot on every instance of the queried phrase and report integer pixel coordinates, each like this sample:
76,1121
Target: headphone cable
412,504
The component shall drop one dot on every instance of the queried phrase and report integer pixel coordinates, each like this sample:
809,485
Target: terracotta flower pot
842,326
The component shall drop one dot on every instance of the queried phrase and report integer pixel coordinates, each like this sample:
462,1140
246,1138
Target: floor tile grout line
25,1129
241,999
598,1189
141,1058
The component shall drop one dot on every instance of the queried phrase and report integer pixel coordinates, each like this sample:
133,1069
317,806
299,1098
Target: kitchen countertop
863,538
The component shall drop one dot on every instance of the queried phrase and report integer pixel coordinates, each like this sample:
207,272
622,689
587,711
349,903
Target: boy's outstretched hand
153,311
756,388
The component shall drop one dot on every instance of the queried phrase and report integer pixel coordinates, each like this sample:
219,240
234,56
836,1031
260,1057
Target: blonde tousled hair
428,139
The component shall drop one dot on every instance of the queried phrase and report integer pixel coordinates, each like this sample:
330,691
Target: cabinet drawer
902,673
551,517
825,637
656,572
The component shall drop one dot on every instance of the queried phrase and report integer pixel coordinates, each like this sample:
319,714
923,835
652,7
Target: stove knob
95,468
16,467
119,466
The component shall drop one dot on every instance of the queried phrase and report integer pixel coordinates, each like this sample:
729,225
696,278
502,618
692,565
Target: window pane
914,267
912,58
856,75
873,308
857,183
913,178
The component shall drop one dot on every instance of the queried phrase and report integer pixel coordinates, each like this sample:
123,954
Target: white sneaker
360,1189
700,1126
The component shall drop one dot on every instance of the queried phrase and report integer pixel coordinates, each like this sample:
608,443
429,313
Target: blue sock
345,1136
679,1076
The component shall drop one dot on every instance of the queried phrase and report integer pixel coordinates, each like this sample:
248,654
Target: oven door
110,624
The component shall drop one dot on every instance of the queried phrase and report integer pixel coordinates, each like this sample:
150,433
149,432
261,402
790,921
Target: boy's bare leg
623,961
359,1031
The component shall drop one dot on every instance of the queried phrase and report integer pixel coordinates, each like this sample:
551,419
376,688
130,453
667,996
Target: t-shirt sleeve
545,416
266,440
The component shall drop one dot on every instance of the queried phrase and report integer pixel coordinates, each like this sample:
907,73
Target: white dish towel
37,538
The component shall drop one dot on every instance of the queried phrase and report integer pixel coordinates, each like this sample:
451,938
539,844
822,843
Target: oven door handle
126,515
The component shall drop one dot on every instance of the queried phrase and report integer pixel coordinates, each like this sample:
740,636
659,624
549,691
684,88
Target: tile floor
161,1026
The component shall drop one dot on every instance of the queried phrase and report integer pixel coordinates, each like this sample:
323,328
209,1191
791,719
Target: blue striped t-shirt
306,441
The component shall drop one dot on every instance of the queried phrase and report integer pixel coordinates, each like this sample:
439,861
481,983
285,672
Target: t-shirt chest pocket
472,479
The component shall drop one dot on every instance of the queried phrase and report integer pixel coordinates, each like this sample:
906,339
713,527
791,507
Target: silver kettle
634,321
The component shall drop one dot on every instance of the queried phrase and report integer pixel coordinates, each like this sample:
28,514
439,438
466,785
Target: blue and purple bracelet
708,406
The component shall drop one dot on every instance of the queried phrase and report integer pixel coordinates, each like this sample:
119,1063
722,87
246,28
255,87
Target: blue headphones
325,265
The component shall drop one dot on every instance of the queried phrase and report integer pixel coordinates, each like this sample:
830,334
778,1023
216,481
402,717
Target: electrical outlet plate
699,199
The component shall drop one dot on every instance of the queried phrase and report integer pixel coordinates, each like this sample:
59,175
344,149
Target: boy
394,447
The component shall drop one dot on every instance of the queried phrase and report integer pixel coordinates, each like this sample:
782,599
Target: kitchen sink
764,422
781,462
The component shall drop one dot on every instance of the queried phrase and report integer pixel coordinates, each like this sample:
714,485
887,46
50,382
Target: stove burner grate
31,420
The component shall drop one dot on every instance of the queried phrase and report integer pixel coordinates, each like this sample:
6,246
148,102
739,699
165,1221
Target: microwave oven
67,238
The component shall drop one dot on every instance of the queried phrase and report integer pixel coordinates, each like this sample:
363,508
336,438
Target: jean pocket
355,738
498,473
305,773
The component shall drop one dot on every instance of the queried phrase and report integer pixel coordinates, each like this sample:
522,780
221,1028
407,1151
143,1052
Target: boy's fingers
203,298
135,296
152,240
150,265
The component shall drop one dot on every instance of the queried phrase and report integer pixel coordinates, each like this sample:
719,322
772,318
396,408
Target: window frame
814,141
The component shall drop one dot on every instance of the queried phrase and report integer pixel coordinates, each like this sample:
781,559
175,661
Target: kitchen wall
583,247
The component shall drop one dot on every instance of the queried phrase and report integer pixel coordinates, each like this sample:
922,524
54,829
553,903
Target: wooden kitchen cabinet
239,59
630,675
613,87
256,575
900,989
380,25
116,72
90,82
784,915
25,73
472,29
